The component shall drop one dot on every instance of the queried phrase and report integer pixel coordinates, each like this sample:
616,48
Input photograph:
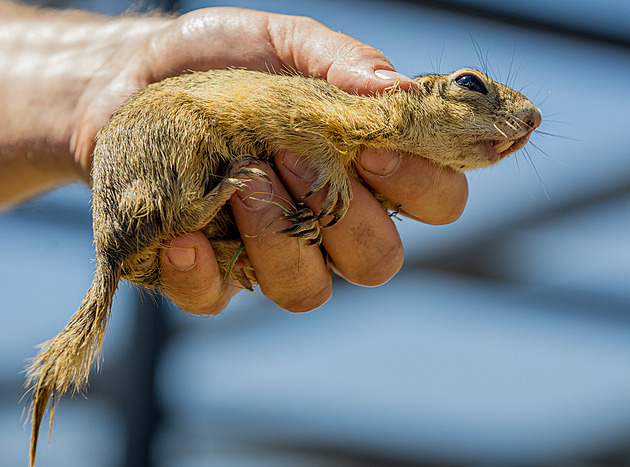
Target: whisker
522,122
497,128
546,154
512,125
553,135
518,70
538,148
540,104
520,174
531,162
483,60
282,198
509,74
524,86
436,184
561,122
432,64
554,115
494,73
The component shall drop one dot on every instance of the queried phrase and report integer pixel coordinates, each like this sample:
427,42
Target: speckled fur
165,165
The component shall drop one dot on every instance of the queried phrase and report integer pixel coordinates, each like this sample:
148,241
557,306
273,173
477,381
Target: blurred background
505,339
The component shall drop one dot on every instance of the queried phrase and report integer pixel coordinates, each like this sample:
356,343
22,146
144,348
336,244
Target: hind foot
305,225
246,172
202,212
234,263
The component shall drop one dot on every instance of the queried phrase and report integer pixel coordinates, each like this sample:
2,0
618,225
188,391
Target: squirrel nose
532,117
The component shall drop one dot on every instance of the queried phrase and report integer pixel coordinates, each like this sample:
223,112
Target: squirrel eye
471,82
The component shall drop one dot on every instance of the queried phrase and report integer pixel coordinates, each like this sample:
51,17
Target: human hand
364,247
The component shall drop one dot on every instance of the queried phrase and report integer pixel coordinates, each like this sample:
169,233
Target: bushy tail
64,362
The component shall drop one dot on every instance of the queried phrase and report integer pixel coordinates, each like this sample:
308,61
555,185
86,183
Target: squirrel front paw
305,225
338,197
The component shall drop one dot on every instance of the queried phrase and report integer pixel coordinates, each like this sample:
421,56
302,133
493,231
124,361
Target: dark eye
471,82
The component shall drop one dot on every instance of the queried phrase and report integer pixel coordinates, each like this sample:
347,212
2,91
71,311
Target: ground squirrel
169,158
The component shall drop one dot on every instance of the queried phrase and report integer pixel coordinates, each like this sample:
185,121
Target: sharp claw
250,173
305,216
336,218
318,185
295,228
306,234
301,230
304,225
315,241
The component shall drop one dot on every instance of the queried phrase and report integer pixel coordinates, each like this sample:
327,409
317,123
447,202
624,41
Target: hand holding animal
171,157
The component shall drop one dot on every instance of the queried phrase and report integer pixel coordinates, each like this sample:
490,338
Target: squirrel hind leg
203,211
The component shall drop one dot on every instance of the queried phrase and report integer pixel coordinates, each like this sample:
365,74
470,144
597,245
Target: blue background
504,340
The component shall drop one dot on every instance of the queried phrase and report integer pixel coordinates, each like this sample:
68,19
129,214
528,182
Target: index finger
424,191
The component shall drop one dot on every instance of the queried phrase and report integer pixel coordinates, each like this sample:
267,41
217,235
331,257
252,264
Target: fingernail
182,258
389,74
379,162
257,193
298,167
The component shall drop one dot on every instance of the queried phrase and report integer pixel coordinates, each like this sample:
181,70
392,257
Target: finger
190,275
424,191
313,49
364,245
290,273
222,37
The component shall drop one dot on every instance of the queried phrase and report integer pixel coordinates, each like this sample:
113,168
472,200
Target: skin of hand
128,53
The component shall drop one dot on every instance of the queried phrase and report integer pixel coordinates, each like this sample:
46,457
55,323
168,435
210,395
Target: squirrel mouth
495,150
500,148
503,148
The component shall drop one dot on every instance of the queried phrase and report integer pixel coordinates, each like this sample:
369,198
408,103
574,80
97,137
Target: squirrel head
469,120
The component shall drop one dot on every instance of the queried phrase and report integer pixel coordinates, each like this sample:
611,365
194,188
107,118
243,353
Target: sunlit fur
163,166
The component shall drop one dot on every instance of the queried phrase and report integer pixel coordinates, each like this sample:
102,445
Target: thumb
315,50
190,275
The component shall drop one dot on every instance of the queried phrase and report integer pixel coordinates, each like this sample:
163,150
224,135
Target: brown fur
168,161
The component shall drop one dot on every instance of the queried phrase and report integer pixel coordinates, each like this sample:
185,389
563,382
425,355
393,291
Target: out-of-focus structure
504,340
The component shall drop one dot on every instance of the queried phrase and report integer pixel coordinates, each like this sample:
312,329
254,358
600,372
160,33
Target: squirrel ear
423,83
417,84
